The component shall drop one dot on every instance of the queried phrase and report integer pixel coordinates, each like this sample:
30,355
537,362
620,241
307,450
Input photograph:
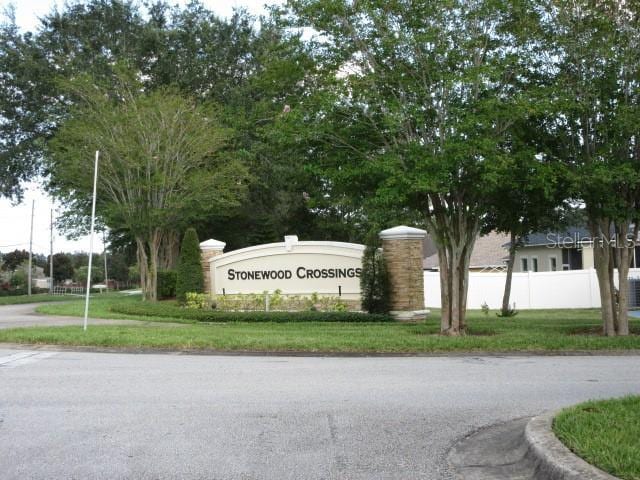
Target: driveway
16,316
147,416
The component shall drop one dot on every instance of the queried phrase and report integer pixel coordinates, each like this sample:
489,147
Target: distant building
570,249
41,283
490,254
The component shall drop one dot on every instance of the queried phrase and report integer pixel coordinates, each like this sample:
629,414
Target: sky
15,219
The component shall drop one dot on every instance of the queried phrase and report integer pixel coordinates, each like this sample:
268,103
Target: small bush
166,287
198,301
19,280
174,311
13,292
256,302
190,276
374,280
509,312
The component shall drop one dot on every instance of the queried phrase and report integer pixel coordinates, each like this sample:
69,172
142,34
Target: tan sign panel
295,268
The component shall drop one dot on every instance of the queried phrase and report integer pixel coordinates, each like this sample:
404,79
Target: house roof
490,251
566,237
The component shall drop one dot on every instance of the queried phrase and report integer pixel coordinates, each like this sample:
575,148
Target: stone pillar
208,250
402,249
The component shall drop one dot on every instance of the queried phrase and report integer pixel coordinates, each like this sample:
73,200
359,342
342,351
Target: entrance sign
294,267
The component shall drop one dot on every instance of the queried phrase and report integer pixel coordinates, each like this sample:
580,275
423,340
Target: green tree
85,37
134,274
19,278
97,274
21,119
12,260
593,78
419,98
159,167
530,196
117,267
190,276
251,67
62,267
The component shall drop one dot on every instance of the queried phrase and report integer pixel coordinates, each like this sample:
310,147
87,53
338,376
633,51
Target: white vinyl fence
565,289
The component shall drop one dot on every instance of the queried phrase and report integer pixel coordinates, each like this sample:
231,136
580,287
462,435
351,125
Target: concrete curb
552,459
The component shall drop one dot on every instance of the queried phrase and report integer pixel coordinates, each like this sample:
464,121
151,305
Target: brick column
208,250
402,249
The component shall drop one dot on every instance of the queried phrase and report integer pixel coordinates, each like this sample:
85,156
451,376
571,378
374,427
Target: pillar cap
212,245
402,232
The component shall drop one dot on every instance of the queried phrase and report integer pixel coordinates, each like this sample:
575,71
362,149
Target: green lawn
100,307
41,297
530,331
604,433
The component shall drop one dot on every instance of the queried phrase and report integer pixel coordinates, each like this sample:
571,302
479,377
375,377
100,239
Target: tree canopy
160,164
421,99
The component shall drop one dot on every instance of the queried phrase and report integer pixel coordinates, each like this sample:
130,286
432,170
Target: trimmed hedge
19,292
190,278
173,311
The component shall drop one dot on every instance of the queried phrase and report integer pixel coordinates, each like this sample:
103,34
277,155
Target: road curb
302,353
552,459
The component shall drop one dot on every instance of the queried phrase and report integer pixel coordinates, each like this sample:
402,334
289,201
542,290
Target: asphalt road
17,316
74,415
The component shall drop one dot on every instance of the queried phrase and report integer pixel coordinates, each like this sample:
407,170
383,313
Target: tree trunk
445,289
143,265
453,228
612,287
148,251
602,260
155,241
454,327
513,247
464,287
454,281
169,251
624,247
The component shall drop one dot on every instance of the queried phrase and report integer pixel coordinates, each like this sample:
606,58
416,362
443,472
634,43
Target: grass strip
605,434
37,298
330,337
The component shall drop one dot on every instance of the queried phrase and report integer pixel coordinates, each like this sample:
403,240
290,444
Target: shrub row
173,311
278,302
20,291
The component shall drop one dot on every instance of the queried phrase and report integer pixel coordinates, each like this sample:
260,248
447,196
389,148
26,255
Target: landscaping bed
605,434
166,309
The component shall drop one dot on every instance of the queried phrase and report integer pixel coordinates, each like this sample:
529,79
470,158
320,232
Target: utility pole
104,250
51,257
33,206
93,222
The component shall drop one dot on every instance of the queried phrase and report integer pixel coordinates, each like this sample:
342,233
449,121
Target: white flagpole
93,222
